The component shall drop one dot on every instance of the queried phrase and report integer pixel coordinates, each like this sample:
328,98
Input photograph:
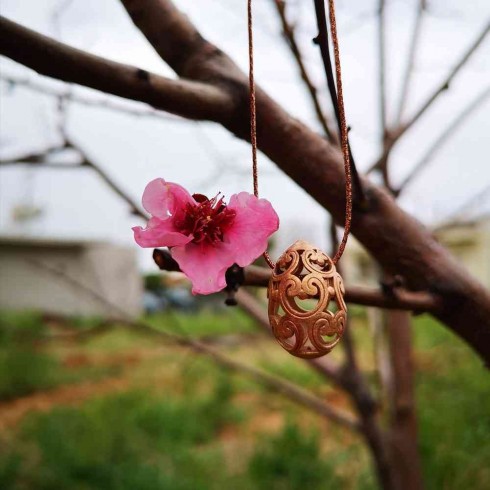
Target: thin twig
290,37
445,84
414,44
398,132
443,138
322,41
382,65
39,160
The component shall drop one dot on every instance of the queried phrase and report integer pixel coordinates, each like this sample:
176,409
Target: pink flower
206,236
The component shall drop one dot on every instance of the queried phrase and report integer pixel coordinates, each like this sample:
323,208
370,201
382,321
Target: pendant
307,311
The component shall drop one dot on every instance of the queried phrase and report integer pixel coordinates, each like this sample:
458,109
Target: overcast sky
135,150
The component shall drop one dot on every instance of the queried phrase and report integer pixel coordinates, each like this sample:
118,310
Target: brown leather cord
253,115
343,133
253,111
343,126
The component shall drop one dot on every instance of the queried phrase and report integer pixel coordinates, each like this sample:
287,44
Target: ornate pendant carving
307,311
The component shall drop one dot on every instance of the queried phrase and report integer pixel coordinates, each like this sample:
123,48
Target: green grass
27,365
453,393
292,460
186,424
207,323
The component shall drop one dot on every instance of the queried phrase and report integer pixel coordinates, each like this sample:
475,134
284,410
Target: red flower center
206,221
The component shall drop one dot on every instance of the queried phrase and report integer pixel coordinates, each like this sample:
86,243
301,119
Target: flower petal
254,223
162,198
159,233
205,265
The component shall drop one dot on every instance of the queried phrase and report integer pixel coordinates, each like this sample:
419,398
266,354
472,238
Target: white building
69,277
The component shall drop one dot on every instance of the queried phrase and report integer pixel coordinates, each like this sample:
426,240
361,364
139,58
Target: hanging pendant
307,311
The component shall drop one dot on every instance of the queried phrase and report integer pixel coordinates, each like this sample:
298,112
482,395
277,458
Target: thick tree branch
48,57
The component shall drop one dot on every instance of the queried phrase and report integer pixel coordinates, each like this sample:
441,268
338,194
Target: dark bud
234,279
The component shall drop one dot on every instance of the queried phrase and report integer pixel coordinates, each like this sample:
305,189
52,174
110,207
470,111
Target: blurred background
89,402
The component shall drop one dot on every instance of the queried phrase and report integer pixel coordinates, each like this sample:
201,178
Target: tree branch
442,139
40,160
399,300
395,134
414,44
48,57
382,64
290,37
445,84
359,195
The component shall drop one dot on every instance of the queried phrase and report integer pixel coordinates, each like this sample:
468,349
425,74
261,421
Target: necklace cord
253,115
341,118
344,138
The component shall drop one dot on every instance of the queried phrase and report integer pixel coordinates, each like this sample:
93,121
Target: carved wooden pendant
307,311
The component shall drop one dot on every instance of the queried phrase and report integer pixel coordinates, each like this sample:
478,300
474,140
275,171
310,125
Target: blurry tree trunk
403,439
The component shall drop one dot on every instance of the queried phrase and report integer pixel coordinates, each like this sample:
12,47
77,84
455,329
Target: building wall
106,270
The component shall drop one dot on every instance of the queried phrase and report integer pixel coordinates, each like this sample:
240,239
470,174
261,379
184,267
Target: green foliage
297,372
26,365
206,323
292,461
130,441
453,393
192,435
23,369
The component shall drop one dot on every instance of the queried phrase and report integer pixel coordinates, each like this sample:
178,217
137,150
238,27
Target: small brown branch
394,135
39,160
443,138
274,383
290,37
359,195
414,44
446,83
193,100
400,300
